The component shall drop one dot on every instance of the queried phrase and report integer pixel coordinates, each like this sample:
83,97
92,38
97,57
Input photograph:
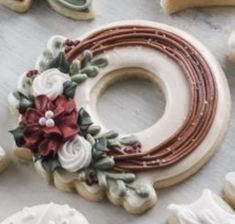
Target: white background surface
132,104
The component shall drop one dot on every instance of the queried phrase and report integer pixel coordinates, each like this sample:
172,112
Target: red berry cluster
91,179
136,148
32,73
69,44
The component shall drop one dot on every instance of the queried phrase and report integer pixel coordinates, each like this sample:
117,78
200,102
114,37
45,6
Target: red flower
48,124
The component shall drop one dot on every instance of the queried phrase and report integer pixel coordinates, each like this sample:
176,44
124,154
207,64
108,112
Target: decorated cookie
59,128
208,209
4,160
48,213
17,5
172,6
231,46
75,9
229,188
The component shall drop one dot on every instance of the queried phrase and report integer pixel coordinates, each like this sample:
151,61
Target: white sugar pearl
49,114
50,123
42,121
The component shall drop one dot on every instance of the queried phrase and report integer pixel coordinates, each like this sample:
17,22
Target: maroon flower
48,124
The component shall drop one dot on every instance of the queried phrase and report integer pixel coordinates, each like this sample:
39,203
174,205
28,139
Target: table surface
23,37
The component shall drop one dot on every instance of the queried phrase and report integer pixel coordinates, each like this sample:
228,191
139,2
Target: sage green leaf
142,191
47,54
114,143
60,63
69,89
100,62
90,139
87,57
79,78
16,94
84,118
94,129
102,180
75,67
121,189
25,102
50,164
91,71
104,164
18,135
101,144
126,177
111,134
130,140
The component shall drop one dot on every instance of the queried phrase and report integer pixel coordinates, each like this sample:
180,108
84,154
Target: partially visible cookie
4,160
74,9
47,214
231,45
172,6
229,188
208,209
17,5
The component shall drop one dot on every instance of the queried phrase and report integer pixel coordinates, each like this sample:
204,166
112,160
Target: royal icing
75,154
70,144
50,83
205,210
47,214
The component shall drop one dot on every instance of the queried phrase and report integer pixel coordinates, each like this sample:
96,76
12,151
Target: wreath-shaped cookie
74,9
60,130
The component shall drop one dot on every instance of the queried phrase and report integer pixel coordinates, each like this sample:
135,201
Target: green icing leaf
18,135
87,57
130,140
75,67
121,189
91,71
105,163
99,62
84,118
102,180
142,191
60,63
69,89
101,144
25,102
126,177
79,78
50,164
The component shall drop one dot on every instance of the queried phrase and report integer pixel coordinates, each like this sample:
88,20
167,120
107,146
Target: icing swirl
75,154
50,83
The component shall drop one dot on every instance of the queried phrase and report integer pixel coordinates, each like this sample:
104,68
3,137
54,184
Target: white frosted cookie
208,209
74,9
4,160
231,46
47,214
172,6
17,5
70,146
229,188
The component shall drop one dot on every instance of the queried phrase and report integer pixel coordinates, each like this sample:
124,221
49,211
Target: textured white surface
22,38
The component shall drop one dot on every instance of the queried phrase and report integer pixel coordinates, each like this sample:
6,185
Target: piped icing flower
50,83
48,124
75,154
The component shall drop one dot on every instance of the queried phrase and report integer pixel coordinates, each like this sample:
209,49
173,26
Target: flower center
47,120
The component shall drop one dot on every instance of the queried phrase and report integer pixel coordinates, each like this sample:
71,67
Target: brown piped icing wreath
60,130
203,92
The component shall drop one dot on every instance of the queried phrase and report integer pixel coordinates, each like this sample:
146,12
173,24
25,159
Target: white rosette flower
50,83
75,154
